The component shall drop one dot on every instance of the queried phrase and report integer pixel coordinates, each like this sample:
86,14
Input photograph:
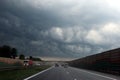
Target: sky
60,28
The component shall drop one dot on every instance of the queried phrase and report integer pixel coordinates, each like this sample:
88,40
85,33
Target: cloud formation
60,28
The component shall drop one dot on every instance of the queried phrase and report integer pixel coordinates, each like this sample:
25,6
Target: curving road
70,73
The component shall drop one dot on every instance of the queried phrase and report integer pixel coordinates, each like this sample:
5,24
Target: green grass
2,64
20,74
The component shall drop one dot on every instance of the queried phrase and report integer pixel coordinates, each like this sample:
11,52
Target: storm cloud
60,28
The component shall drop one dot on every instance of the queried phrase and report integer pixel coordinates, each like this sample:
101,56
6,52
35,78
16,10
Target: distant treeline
36,59
22,57
8,52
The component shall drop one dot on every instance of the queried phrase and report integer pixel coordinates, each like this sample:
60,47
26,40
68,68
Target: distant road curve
70,73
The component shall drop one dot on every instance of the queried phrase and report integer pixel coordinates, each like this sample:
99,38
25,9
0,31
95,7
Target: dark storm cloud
21,25
65,28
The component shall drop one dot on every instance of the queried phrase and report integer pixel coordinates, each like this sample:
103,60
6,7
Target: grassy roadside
20,74
2,64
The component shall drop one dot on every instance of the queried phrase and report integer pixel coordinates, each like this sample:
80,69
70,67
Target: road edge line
38,73
98,74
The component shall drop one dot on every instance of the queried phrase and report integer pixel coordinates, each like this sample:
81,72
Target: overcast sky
60,28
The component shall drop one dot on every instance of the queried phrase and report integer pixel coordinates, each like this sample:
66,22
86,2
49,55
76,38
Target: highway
70,73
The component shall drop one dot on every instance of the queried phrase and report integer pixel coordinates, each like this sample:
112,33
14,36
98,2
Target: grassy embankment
20,74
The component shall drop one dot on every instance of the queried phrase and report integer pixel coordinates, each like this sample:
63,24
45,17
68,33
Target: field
20,74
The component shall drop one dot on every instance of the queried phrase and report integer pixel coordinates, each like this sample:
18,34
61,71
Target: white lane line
67,72
75,79
99,75
38,73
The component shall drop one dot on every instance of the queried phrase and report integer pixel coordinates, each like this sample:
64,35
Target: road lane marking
99,75
38,73
75,79
67,72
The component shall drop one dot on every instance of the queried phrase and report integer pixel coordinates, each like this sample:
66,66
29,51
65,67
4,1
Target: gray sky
60,28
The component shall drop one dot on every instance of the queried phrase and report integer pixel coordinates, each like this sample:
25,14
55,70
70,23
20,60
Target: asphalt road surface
70,73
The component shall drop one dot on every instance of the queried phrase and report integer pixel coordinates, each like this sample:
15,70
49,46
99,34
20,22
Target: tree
30,57
14,52
36,59
22,57
5,51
